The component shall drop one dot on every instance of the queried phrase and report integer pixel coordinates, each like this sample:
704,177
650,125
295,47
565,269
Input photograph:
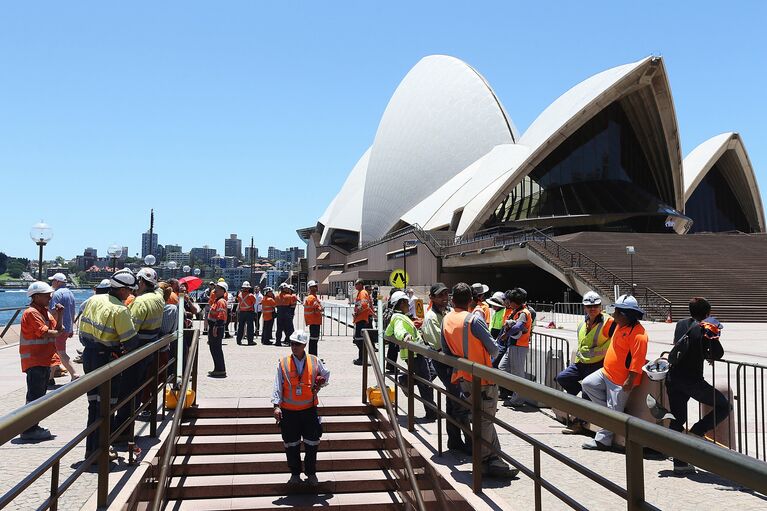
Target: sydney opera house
449,182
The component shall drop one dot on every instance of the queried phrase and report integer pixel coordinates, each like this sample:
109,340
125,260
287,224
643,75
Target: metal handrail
638,433
370,354
24,417
162,480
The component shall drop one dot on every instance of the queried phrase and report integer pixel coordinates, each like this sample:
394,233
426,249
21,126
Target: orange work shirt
218,310
173,298
267,307
312,310
362,309
626,340
130,299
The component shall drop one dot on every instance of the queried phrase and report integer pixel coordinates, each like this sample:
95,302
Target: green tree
3,262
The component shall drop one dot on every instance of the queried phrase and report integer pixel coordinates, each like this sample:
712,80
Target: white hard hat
268,290
104,284
479,288
312,283
592,298
39,287
147,274
123,278
628,302
247,284
657,369
497,299
223,285
299,336
58,276
397,296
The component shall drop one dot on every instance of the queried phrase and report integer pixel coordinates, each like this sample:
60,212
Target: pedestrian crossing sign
399,278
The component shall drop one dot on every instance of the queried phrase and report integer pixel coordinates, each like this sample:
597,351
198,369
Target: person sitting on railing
402,328
594,334
464,335
685,377
431,330
515,337
299,378
622,368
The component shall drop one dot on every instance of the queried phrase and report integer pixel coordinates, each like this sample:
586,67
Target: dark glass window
600,169
713,206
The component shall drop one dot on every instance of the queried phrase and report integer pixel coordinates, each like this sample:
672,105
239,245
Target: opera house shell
604,156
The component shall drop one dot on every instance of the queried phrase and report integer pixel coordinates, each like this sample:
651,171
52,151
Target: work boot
683,468
357,362
36,435
295,479
496,467
312,479
576,428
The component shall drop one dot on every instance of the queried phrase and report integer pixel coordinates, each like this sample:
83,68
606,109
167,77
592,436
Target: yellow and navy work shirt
593,344
107,321
146,311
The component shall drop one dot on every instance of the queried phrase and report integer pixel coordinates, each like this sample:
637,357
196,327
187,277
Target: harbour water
18,298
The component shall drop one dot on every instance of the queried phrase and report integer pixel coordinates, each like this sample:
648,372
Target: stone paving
250,374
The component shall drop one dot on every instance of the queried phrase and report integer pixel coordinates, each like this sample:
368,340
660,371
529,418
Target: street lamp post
41,233
149,260
172,265
405,244
114,251
631,251
197,272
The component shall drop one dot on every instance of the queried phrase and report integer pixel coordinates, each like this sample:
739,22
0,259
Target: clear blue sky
246,117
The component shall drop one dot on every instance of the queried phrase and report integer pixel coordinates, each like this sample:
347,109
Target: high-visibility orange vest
267,308
246,303
487,312
362,309
456,327
218,310
524,339
36,350
297,391
312,310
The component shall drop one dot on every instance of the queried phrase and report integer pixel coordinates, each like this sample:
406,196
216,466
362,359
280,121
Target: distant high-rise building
148,247
181,258
88,259
233,246
248,253
202,255
273,253
172,248
291,254
124,254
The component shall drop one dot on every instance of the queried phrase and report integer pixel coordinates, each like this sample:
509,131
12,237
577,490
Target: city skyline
127,116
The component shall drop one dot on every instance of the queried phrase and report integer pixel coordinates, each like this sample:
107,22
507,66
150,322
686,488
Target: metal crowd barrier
22,418
639,434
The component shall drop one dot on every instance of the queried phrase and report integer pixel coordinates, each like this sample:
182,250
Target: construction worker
283,302
461,330
313,316
259,298
497,303
63,295
246,307
700,332
622,366
362,313
146,311
515,336
216,326
594,334
439,296
402,328
480,290
210,297
299,377
267,308
36,347
107,332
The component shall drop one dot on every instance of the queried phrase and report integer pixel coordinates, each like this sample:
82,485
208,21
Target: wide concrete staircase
233,458
728,269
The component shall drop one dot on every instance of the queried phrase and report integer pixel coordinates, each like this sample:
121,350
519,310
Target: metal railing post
54,499
439,423
410,397
365,374
537,472
634,475
105,414
476,433
153,402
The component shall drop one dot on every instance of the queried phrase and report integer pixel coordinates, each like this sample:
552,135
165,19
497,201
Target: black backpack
682,345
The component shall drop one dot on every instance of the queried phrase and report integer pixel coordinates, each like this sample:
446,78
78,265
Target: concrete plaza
251,371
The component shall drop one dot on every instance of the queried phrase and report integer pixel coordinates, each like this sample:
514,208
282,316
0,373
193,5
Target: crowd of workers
129,311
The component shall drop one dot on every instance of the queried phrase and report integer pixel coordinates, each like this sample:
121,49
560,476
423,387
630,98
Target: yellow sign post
399,278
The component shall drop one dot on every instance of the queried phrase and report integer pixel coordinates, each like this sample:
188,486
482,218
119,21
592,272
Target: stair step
256,485
266,425
252,444
372,501
263,463
261,411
